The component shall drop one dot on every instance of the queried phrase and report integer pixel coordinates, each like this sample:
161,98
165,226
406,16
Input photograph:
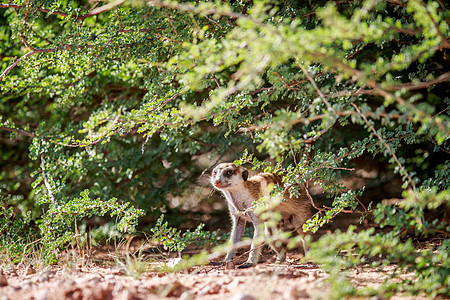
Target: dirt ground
292,280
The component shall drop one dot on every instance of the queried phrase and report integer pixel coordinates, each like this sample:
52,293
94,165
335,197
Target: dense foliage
132,100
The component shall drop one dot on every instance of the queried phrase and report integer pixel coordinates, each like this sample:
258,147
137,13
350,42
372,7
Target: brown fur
241,192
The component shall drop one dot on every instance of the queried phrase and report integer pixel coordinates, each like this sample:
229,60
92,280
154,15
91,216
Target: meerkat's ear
244,174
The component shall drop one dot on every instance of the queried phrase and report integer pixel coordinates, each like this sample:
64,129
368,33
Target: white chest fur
239,199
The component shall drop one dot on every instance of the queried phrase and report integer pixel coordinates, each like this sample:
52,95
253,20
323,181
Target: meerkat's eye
228,173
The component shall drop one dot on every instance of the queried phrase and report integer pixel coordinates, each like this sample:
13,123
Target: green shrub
135,100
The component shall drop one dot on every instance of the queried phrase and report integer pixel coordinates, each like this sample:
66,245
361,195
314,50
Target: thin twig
215,22
15,63
312,201
120,20
101,50
216,81
171,23
359,201
26,13
321,95
77,238
394,156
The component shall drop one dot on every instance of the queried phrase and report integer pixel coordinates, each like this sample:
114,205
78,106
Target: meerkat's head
227,175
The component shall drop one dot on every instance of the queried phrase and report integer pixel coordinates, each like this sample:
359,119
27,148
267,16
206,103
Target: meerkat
241,191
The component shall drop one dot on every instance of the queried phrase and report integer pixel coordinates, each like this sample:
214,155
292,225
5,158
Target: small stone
174,262
234,284
210,289
229,265
11,271
30,270
26,284
118,288
295,293
174,289
110,277
125,295
187,295
242,297
41,295
45,275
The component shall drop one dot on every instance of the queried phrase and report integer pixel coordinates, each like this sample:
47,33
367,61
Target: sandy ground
292,280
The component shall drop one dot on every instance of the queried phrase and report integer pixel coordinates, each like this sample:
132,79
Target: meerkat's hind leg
281,254
298,224
279,249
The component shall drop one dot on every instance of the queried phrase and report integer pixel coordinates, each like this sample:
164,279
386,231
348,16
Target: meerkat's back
294,210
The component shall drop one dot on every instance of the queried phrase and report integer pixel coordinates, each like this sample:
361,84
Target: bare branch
397,2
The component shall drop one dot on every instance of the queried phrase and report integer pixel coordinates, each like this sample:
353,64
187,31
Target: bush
135,100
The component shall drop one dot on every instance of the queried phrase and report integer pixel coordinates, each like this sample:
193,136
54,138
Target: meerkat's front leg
237,232
255,250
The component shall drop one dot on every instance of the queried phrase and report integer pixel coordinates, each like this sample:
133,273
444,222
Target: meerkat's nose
218,183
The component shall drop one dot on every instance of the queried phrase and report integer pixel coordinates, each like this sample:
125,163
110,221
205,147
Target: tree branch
15,64
410,86
421,85
54,12
20,131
